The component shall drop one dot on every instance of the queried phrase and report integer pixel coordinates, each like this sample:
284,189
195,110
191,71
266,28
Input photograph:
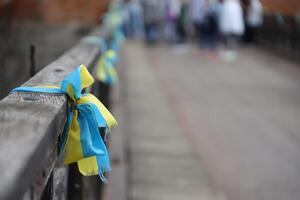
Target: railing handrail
31,123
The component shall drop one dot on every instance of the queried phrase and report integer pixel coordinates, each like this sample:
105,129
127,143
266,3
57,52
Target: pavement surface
198,127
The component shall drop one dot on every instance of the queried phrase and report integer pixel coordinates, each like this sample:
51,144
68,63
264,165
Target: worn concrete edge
16,181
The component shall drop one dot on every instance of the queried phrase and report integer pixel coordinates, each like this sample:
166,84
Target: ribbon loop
76,81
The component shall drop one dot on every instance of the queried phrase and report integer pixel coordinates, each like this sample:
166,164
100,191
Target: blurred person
126,18
181,22
132,18
198,11
231,26
253,20
172,10
211,25
136,16
152,16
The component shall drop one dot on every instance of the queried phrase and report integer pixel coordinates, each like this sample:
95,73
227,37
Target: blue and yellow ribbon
118,39
106,65
106,70
82,141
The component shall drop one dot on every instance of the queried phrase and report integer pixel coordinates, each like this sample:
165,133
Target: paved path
199,128
163,163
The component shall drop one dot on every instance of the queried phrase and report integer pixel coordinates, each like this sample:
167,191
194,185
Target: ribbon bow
82,141
106,71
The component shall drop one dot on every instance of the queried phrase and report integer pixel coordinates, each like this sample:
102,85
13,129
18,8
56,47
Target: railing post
104,94
75,185
49,189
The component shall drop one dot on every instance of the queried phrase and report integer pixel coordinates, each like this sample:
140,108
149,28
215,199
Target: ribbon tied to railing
81,139
106,68
106,65
118,39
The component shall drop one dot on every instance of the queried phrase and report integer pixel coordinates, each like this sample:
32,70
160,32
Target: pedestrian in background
253,20
136,18
181,22
231,26
153,12
172,11
126,18
211,25
198,11
133,19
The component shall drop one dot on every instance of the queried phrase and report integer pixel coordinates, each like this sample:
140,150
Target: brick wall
70,10
289,7
54,11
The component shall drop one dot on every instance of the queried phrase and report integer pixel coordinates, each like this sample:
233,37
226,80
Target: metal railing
282,34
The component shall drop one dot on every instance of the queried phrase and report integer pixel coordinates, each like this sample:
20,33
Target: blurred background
51,26
208,101
54,26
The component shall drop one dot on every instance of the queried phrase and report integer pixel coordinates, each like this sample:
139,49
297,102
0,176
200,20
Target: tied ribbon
106,71
118,39
81,139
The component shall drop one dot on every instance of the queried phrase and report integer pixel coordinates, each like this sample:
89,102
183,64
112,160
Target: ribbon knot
81,139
